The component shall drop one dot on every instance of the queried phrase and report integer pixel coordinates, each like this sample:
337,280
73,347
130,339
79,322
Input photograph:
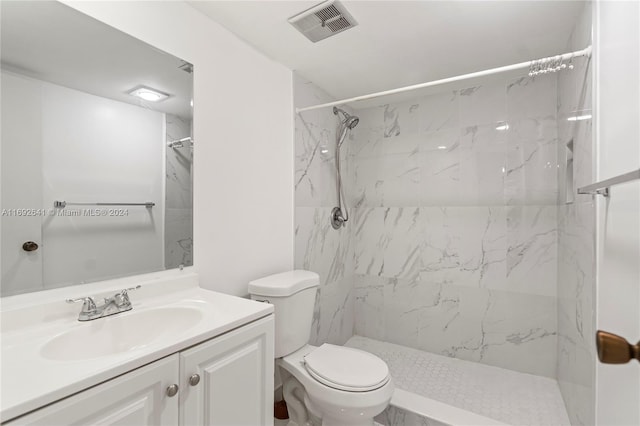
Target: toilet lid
346,368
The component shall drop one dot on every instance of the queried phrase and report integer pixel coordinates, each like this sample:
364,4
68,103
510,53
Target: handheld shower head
352,122
349,120
339,216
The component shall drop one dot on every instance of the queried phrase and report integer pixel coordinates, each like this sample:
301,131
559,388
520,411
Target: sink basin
120,333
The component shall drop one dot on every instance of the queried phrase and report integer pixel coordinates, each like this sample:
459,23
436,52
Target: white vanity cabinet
227,380
136,398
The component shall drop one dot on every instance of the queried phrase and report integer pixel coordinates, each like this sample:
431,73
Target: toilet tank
293,296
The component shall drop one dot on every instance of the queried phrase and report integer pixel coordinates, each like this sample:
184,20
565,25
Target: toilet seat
346,369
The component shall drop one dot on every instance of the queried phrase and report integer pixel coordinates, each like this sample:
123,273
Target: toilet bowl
344,386
337,385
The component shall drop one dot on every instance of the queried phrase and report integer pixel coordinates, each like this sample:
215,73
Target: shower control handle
613,349
337,219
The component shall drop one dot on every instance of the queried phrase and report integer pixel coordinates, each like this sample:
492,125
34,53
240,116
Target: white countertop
29,380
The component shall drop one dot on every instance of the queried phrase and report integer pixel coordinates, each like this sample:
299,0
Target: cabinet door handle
172,390
194,379
614,349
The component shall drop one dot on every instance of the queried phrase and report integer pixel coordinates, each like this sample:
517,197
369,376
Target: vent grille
338,25
328,13
323,20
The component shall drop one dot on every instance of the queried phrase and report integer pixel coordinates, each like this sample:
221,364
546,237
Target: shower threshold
437,390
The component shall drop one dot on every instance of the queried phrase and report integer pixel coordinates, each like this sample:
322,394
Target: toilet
328,384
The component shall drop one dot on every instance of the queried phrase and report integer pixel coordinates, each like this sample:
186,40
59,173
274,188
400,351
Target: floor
504,395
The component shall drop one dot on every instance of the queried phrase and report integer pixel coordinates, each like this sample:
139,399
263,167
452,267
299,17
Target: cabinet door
236,378
134,399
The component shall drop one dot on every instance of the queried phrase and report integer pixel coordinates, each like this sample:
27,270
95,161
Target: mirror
96,151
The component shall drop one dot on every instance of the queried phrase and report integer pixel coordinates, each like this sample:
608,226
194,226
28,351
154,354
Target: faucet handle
122,297
124,291
88,304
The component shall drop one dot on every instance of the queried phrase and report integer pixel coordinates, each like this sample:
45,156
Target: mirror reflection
96,151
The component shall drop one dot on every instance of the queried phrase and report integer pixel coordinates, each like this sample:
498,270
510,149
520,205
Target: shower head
352,122
349,121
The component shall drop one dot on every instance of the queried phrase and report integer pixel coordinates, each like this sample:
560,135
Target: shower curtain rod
578,53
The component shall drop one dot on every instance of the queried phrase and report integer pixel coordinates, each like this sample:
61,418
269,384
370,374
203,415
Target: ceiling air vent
323,20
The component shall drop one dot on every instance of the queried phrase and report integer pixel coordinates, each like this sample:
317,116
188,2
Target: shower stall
178,226
466,249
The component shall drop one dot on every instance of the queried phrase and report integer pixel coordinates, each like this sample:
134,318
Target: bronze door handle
613,349
30,246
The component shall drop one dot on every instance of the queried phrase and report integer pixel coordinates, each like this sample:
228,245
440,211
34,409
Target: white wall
243,131
63,144
21,157
617,102
99,150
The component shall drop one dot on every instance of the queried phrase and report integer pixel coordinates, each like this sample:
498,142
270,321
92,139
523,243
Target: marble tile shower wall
576,234
576,248
455,223
318,247
178,239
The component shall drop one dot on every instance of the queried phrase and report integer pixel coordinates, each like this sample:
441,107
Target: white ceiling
52,42
398,43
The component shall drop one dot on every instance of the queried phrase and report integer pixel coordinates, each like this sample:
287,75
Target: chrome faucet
115,304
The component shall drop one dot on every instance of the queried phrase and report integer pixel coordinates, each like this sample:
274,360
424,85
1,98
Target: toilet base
340,422
335,407
303,412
